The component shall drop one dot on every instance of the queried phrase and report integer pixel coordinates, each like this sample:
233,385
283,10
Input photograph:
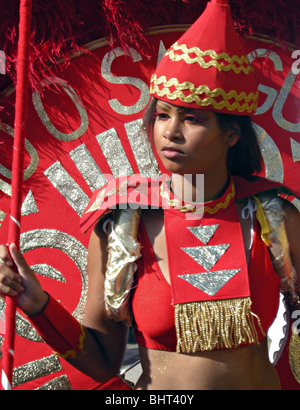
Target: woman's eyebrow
189,111
164,105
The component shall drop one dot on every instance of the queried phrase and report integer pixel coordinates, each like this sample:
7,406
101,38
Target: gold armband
123,251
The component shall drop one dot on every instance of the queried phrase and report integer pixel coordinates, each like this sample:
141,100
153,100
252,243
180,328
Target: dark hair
245,157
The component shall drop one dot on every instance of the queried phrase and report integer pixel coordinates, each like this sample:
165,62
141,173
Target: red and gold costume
211,279
216,299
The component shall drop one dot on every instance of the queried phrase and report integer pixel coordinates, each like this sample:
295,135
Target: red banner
87,126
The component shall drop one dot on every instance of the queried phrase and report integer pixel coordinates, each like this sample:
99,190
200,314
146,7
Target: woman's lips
171,152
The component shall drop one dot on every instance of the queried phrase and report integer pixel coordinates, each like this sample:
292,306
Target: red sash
209,275
206,256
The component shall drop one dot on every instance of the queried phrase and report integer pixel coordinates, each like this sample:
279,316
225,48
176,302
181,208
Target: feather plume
61,28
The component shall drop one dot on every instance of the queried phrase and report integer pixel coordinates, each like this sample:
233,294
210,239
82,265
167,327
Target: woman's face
189,141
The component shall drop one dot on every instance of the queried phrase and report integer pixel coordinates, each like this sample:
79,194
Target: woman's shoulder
257,185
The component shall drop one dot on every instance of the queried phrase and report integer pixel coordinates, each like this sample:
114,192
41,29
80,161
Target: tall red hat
208,67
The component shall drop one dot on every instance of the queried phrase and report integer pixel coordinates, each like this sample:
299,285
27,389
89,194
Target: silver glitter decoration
161,52
114,153
132,81
206,256
265,53
29,206
59,383
271,155
295,147
51,238
23,327
140,144
36,369
296,202
2,216
34,158
271,93
26,330
88,168
66,185
204,233
48,272
5,187
210,282
37,102
279,104
48,238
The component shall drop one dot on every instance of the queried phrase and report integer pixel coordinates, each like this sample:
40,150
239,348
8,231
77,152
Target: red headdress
208,67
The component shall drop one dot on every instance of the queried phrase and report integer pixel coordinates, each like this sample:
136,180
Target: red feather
62,28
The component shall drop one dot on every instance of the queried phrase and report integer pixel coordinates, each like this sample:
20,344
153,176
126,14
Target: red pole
17,180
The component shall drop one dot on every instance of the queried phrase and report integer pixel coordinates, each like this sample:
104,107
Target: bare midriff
244,368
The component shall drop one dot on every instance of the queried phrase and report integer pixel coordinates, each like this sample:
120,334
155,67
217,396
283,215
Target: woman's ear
234,134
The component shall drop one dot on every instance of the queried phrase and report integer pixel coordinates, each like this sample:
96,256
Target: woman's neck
198,188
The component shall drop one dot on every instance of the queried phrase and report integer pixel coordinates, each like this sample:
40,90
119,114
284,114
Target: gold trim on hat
203,89
231,60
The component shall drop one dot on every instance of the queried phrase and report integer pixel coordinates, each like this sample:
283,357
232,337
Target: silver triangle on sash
203,233
206,256
210,282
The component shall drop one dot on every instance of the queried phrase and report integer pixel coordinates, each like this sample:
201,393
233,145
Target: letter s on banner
136,82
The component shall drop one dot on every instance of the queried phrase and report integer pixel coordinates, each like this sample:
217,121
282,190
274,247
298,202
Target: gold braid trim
72,353
231,60
203,89
294,354
176,203
217,324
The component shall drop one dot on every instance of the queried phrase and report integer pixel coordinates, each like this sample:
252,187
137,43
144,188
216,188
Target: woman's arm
105,340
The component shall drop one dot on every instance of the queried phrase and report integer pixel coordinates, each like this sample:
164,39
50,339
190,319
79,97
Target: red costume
216,299
152,296
259,276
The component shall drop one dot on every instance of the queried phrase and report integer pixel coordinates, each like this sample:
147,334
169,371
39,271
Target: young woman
206,291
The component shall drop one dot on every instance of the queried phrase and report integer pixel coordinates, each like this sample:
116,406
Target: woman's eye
160,115
193,119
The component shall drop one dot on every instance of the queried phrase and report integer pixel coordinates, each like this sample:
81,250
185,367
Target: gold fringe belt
219,324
